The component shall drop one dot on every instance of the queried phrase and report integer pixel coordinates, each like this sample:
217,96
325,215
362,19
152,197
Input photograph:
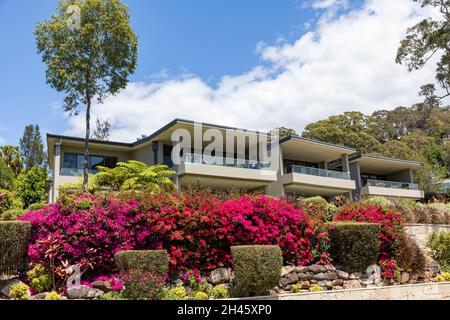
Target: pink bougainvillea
197,231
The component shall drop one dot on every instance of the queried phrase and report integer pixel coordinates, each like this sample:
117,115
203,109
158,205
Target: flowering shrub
197,231
391,229
116,283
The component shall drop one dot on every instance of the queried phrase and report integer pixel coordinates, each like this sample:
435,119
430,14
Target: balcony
220,172
392,189
71,172
314,181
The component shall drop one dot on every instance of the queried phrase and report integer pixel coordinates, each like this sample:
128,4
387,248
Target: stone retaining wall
421,232
424,291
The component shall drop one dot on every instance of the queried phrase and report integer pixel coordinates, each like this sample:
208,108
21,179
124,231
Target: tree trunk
86,146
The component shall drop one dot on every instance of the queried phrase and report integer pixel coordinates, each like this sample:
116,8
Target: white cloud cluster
345,63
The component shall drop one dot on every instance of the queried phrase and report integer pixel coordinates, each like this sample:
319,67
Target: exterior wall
144,155
304,179
390,192
402,176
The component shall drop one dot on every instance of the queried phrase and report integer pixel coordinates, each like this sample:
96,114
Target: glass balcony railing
75,172
392,184
319,172
226,162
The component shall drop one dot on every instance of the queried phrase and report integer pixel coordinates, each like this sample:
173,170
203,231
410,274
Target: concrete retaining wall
424,291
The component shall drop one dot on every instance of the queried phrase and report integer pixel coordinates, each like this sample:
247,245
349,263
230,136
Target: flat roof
359,156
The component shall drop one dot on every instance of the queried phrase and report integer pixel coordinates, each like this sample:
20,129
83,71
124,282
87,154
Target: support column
323,165
345,163
56,171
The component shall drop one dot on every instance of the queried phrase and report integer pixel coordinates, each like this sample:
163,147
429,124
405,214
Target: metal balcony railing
392,184
226,162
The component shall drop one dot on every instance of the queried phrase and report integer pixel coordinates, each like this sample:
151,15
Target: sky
256,64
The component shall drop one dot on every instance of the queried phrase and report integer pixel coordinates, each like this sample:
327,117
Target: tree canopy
32,147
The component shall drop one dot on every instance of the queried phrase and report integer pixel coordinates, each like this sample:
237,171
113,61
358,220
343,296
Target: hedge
439,243
354,246
143,272
14,237
257,269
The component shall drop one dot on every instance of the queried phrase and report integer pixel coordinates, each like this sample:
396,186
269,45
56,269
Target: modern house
303,166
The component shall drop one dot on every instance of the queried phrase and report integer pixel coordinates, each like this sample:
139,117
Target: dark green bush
10,215
14,237
354,246
257,269
144,273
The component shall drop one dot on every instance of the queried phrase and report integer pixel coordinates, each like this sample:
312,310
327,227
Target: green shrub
113,295
31,186
296,288
201,296
19,291
439,243
36,206
354,246
7,176
315,288
318,208
177,293
257,269
53,296
39,278
220,292
378,201
143,272
14,237
6,201
443,277
11,215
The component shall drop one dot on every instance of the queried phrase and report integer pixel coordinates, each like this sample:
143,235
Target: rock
355,276
286,270
317,269
220,276
367,282
326,284
83,292
292,278
352,284
320,277
105,286
283,282
301,269
7,287
178,283
342,274
330,268
305,285
413,278
305,276
338,288
404,277
338,283
39,296
331,275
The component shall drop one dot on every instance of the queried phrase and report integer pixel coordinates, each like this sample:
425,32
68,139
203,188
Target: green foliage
444,277
143,272
201,296
36,206
113,295
14,237
439,243
12,157
39,278
177,293
354,246
32,147
379,201
11,215
296,288
31,186
315,288
6,176
53,296
318,208
257,269
19,291
220,292
6,200
134,175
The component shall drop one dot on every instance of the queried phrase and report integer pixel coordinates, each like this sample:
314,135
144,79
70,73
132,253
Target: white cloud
325,4
345,63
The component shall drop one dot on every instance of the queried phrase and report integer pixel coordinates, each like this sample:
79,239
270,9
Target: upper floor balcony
392,189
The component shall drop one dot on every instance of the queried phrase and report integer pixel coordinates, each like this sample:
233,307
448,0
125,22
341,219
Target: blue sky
205,41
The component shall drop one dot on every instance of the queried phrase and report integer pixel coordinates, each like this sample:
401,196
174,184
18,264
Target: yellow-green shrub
296,288
53,296
201,296
39,278
19,291
220,292
177,293
315,288
443,277
439,243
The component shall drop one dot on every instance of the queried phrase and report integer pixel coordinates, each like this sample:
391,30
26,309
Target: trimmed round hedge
144,260
353,245
257,269
14,237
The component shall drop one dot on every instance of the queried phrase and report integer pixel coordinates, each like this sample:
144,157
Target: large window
72,164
